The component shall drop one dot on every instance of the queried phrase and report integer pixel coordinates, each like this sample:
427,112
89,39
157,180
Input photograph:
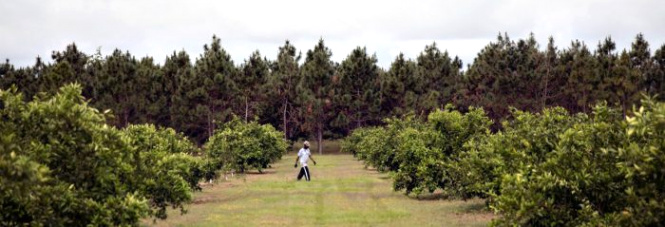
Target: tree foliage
548,168
240,146
422,155
316,91
63,165
318,98
164,166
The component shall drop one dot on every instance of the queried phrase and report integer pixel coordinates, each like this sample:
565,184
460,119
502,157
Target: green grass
341,193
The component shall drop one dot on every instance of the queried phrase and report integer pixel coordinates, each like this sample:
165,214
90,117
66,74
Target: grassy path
341,193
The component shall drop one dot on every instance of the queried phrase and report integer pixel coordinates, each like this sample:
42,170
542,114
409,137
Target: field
342,193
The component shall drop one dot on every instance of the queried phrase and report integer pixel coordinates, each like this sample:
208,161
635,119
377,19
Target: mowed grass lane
342,193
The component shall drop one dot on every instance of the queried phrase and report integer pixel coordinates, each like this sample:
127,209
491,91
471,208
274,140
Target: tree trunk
624,107
125,118
585,101
208,121
358,114
171,103
284,119
545,91
319,140
246,108
211,124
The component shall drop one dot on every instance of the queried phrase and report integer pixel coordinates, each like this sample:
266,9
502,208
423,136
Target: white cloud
158,27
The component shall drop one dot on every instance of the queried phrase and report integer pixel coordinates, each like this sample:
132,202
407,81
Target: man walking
303,156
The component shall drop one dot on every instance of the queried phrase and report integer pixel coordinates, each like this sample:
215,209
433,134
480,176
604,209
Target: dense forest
317,98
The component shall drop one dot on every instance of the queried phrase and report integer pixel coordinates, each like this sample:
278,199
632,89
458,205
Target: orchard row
550,168
61,164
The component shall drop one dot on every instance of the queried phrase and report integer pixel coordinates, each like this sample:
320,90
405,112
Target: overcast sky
30,28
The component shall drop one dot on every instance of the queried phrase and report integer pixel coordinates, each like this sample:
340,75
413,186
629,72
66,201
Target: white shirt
303,156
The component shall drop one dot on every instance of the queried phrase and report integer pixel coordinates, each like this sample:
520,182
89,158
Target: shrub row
419,153
62,165
541,169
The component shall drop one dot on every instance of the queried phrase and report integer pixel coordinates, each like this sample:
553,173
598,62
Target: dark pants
304,171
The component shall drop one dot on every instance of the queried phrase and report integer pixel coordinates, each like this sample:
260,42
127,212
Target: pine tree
358,90
641,61
657,75
117,83
57,75
583,80
398,86
551,81
438,73
630,78
211,92
148,96
606,60
176,71
7,75
251,83
281,85
314,91
78,61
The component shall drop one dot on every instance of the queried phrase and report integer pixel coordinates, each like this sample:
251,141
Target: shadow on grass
209,199
469,207
430,196
386,177
266,172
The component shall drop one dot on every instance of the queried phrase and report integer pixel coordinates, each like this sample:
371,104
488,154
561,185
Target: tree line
309,95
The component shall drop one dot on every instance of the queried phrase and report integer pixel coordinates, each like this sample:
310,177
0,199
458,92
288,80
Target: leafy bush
377,146
240,146
542,169
453,129
351,142
421,155
421,165
642,162
575,182
164,170
524,142
62,165
604,171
